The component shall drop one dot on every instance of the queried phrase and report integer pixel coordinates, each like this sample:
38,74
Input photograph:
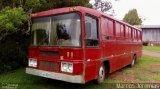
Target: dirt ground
154,54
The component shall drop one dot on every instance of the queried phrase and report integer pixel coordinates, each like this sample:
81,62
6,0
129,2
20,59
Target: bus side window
130,33
108,29
118,29
135,35
122,30
139,36
126,32
91,31
88,29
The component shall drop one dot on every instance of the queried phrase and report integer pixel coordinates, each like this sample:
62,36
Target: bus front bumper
56,76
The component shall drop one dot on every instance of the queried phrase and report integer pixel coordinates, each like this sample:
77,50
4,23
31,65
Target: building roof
148,26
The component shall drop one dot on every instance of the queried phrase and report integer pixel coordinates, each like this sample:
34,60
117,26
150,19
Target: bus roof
77,8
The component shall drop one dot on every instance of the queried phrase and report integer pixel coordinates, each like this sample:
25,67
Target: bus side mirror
88,29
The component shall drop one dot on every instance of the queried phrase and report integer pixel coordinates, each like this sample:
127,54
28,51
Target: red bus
78,44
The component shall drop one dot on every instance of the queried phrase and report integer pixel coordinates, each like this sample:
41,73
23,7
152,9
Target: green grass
152,48
146,70
145,60
26,81
129,71
143,77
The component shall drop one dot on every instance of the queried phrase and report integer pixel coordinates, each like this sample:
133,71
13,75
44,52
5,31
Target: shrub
13,51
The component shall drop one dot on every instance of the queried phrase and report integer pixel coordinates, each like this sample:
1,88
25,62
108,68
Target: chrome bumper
56,76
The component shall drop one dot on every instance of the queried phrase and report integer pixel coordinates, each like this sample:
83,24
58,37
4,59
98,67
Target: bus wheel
101,74
133,61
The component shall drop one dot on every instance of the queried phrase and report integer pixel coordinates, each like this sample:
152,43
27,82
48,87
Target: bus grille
48,65
48,53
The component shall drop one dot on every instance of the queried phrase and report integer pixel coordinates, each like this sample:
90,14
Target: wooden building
151,34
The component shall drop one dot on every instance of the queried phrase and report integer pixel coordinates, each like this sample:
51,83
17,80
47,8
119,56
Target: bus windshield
58,30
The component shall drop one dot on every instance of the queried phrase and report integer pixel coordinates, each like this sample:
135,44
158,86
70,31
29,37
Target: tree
13,42
10,20
132,18
102,5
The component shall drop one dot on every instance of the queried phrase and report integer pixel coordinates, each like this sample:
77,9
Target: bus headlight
67,67
70,68
32,62
64,67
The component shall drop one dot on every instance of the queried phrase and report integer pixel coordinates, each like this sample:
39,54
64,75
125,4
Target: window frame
50,16
108,29
98,35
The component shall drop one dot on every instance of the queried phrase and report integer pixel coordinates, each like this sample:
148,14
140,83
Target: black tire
101,74
133,61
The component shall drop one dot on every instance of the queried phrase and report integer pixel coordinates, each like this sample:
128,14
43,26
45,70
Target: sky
149,10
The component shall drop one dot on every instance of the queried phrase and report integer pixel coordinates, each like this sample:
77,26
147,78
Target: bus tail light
67,67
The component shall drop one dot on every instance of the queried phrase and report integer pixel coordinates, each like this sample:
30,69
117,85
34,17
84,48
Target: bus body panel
42,55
